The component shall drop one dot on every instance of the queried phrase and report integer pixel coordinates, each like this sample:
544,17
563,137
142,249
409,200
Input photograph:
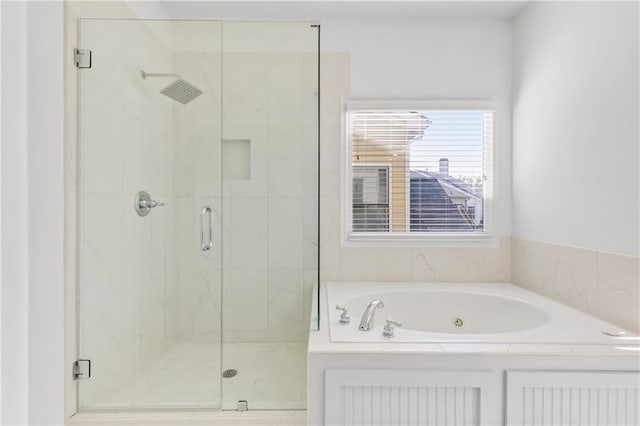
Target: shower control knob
154,203
389,327
143,203
345,318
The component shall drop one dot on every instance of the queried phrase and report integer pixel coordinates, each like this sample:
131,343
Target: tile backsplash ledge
417,264
601,284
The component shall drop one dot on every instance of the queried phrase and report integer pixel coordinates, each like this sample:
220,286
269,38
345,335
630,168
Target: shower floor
270,376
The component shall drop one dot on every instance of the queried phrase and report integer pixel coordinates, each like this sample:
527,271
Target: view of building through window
419,171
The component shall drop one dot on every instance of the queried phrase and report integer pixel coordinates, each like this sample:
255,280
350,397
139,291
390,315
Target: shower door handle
206,241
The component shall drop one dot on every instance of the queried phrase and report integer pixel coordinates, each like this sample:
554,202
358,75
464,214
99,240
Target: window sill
440,240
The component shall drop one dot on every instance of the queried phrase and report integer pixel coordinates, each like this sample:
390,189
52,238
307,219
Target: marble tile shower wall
125,146
383,264
601,284
264,266
270,259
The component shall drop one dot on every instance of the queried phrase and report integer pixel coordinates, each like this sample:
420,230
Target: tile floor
271,376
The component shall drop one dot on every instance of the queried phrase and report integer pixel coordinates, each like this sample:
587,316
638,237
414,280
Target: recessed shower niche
236,156
218,123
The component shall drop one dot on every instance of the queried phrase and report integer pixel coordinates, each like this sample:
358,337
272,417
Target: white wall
32,213
14,214
575,125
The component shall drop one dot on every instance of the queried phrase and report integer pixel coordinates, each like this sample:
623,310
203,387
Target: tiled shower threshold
190,417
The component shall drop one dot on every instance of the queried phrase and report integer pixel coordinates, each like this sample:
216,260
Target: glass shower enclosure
198,213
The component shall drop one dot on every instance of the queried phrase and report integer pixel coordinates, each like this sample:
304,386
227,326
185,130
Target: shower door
197,221
270,198
150,274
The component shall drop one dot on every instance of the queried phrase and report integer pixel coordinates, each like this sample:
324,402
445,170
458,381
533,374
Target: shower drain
458,322
229,373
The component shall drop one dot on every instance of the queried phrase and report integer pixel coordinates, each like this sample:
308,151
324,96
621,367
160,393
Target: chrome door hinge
82,369
82,58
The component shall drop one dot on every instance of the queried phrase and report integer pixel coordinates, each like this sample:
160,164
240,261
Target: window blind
422,171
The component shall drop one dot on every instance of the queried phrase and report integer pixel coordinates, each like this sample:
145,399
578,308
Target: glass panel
149,295
270,101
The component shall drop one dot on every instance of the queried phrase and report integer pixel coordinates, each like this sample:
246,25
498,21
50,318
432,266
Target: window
417,173
370,198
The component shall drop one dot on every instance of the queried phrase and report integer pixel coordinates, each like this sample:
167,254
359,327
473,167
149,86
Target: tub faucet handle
345,318
389,327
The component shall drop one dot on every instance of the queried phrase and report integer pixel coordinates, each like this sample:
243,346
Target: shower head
180,90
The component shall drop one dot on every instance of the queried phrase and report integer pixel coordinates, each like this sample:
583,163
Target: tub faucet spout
366,323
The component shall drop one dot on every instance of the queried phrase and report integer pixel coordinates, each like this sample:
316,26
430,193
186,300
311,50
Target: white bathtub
489,313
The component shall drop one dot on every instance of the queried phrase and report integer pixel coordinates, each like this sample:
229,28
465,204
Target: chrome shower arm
144,74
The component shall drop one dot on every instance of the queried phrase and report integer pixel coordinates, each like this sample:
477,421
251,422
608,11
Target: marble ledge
624,350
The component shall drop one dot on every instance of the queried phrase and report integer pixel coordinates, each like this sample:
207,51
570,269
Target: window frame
348,238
